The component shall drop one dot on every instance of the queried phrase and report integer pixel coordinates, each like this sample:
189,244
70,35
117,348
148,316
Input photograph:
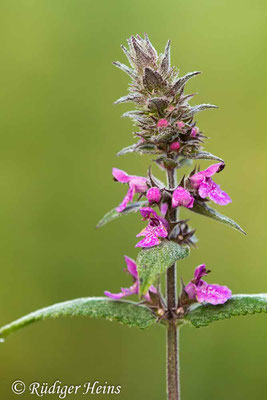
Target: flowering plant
166,128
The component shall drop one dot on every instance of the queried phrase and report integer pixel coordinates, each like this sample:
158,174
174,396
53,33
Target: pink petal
194,131
124,292
200,271
148,212
212,169
220,197
175,146
131,266
160,231
190,289
180,124
181,197
127,199
120,175
151,289
213,294
199,177
114,296
153,195
164,208
205,189
148,241
162,123
139,182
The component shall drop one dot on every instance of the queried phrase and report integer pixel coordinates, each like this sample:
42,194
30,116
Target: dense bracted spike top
162,112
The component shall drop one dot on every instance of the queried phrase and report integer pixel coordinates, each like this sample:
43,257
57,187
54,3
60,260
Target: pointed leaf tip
125,312
203,209
113,214
241,304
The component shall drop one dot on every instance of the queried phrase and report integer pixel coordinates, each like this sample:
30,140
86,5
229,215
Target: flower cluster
164,116
197,186
167,128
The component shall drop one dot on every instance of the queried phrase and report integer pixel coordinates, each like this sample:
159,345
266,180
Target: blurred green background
59,136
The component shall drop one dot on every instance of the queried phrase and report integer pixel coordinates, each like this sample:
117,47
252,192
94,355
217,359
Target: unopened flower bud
175,146
162,123
194,131
153,195
180,124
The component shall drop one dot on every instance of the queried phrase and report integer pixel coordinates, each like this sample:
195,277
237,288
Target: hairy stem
172,331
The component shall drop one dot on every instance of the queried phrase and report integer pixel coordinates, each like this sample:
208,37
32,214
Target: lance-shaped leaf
240,304
203,209
113,214
125,312
156,260
204,155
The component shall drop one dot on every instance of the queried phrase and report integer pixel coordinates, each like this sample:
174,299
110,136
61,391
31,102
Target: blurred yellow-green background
59,136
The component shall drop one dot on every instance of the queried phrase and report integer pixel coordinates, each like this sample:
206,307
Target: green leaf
139,148
128,149
156,260
204,155
203,209
240,304
125,312
113,214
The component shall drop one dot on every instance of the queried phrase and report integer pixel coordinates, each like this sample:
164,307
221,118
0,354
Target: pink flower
207,187
137,184
153,195
181,197
134,289
164,208
175,146
180,124
157,227
201,291
194,131
162,123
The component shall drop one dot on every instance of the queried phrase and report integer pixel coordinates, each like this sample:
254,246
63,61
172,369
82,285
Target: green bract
155,260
